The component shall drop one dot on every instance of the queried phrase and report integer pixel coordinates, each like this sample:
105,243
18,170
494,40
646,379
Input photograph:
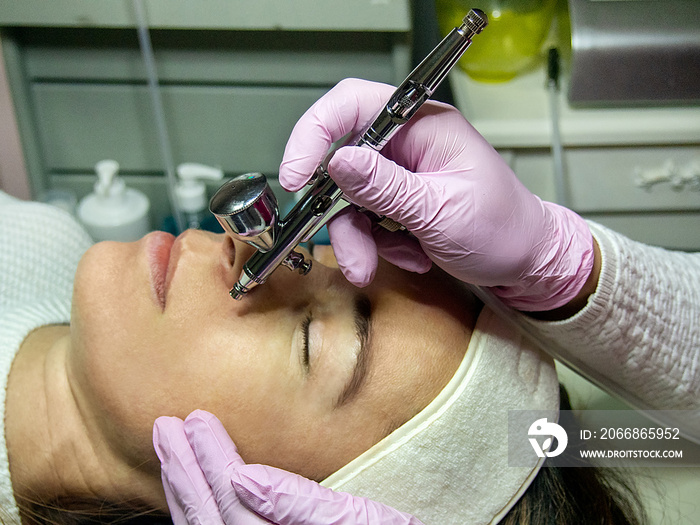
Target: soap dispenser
191,192
114,212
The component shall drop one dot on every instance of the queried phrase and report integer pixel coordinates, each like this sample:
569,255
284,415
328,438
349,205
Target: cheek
109,311
172,368
111,299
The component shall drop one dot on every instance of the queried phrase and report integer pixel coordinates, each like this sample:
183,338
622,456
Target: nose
284,287
219,252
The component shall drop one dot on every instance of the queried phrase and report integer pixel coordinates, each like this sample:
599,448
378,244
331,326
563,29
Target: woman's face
306,372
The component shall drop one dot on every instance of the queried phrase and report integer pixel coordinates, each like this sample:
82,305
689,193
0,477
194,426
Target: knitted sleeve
639,335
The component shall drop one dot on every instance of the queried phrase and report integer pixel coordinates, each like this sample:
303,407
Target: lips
158,248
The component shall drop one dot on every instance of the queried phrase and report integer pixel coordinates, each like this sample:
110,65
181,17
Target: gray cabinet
234,78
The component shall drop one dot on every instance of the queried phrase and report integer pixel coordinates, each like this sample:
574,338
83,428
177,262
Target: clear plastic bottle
114,212
191,191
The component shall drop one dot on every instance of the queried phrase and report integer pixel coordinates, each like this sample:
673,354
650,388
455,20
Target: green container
511,44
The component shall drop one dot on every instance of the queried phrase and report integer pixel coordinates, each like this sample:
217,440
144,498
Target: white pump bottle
191,192
114,212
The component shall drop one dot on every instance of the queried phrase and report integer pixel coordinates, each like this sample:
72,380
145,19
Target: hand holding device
440,179
247,210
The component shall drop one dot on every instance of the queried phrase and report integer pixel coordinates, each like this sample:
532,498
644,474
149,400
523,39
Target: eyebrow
362,314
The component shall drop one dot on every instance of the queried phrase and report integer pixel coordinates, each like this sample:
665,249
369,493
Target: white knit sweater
40,247
639,334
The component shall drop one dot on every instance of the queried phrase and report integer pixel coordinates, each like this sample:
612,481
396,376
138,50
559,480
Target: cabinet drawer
298,15
634,179
606,185
211,57
618,179
239,128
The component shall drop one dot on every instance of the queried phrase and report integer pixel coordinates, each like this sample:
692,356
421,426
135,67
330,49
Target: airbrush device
247,209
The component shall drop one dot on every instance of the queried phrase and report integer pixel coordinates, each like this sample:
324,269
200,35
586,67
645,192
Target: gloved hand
197,477
207,482
439,178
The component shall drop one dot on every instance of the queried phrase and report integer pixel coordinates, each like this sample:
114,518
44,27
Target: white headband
449,463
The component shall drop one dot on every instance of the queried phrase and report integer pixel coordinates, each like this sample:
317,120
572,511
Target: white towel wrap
449,463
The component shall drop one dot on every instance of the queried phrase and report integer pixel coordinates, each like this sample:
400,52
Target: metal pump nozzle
247,209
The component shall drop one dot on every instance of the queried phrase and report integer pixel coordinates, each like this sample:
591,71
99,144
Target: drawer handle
679,177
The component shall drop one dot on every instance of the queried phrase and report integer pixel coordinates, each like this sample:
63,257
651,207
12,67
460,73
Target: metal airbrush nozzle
475,21
247,209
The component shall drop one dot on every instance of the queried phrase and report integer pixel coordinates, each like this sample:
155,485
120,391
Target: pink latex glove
197,478
439,178
207,482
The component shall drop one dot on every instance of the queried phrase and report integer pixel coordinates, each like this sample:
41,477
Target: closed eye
305,324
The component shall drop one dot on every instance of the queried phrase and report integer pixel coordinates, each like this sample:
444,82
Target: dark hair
88,512
577,494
